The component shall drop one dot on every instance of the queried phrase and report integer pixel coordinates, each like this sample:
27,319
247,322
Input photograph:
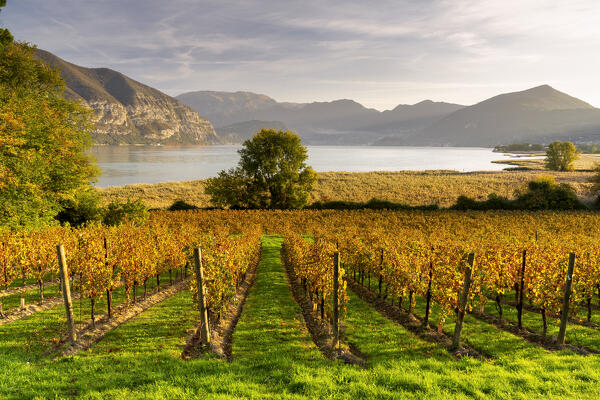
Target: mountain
335,122
128,111
241,131
540,114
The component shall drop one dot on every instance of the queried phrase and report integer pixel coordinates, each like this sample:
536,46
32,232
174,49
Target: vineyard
440,296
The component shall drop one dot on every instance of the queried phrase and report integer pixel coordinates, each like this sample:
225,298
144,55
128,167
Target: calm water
122,165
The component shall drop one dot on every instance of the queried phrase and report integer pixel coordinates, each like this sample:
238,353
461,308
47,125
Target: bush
373,204
85,207
116,212
542,193
179,205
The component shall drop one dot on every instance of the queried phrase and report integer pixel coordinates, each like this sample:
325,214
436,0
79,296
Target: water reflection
122,165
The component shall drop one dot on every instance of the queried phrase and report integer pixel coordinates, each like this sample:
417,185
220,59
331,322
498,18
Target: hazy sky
379,53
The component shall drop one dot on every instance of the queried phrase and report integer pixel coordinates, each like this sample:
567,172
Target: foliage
117,213
560,156
271,174
180,205
373,204
588,148
519,147
84,207
595,180
42,139
543,193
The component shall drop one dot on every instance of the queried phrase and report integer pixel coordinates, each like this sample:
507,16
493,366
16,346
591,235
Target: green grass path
274,357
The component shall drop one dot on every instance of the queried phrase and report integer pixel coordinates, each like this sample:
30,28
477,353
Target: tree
544,193
595,181
271,173
42,139
561,155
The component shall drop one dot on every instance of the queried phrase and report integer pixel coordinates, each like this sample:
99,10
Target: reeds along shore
409,187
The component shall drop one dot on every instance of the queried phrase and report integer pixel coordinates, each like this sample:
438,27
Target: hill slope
334,122
128,111
241,131
540,114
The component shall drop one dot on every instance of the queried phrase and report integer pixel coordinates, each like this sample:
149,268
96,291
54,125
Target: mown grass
274,357
415,188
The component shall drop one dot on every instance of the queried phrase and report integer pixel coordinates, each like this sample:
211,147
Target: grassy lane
274,358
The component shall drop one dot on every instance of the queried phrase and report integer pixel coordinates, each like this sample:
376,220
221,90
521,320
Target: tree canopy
560,156
42,139
271,173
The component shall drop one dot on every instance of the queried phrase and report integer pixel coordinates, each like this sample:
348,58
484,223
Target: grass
585,162
274,357
415,188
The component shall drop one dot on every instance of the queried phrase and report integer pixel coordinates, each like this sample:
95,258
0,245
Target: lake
123,165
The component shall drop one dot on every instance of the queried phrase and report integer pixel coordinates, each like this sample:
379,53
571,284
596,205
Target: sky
380,53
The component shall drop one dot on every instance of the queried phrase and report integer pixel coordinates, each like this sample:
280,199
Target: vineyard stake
380,272
108,293
66,289
463,302
428,299
204,329
336,274
565,308
521,291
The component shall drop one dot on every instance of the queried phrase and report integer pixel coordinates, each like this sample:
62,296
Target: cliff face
128,111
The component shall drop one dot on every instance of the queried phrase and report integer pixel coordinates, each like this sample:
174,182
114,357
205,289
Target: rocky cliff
128,111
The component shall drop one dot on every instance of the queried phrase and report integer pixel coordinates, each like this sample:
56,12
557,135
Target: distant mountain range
241,131
128,111
540,114
537,115
335,122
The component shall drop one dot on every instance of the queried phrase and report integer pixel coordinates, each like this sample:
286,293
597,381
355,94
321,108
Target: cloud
385,52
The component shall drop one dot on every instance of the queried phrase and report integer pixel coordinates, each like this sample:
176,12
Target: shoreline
414,188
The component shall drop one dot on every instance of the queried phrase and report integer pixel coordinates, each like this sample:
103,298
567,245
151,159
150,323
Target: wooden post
521,291
428,297
109,303
204,328
462,306
564,316
66,289
108,291
380,272
336,275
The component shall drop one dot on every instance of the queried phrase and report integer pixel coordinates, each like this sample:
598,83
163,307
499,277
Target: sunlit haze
380,53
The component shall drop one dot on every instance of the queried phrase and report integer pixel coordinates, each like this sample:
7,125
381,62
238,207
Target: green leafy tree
272,173
561,155
42,139
595,180
117,213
